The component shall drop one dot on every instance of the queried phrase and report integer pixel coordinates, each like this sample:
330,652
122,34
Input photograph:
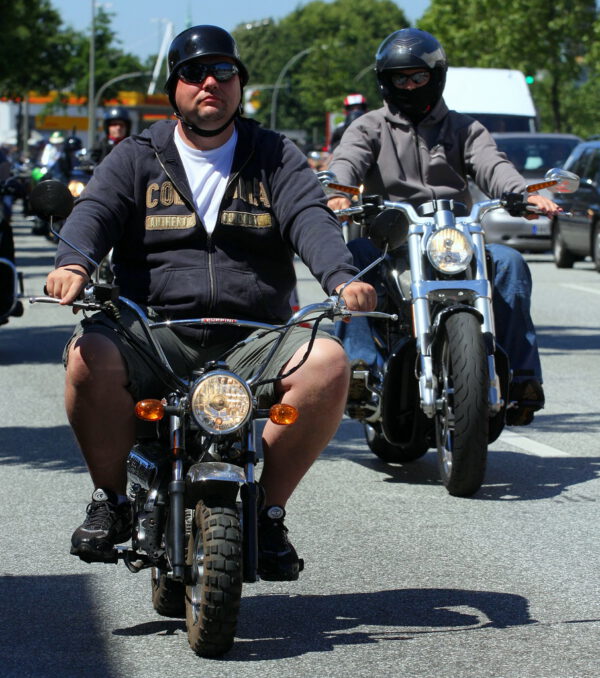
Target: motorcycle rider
204,214
414,149
117,126
354,106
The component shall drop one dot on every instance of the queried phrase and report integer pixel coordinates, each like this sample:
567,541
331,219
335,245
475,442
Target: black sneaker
526,397
107,523
277,558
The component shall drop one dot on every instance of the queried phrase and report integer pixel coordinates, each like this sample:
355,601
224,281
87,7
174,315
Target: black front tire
212,600
392,454
462,424
563,258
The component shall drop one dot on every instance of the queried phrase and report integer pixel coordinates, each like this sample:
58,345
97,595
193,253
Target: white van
499,98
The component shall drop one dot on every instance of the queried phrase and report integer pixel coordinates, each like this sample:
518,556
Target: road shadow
52,449
280,626
48,628
510,475
33,345
568,339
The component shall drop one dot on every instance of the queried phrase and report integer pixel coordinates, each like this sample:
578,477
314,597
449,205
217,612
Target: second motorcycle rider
204,215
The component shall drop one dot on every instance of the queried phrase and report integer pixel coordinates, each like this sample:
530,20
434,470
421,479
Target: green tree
335,45
548,40
110,60
35,49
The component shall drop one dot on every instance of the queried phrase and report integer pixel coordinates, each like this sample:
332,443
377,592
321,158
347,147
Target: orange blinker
150,410
542,184
283,414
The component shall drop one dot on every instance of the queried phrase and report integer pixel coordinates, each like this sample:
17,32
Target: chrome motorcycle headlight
449,251
221,402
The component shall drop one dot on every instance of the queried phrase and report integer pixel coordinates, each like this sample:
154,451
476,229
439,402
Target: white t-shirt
207,173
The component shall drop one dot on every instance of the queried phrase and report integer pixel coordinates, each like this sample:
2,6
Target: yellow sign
62,122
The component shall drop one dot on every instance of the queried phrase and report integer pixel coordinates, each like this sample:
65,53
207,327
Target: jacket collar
437,114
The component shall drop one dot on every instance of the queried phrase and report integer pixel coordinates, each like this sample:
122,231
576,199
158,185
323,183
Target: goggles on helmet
195,72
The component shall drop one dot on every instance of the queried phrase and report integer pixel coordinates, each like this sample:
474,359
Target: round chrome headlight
449,251
221,402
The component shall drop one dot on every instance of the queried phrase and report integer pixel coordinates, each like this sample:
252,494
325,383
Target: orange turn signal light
283,414
150,410
542,184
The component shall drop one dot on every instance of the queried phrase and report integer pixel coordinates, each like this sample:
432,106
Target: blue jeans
511,301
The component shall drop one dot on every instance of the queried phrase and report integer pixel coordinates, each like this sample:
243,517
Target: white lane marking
531,446
581,288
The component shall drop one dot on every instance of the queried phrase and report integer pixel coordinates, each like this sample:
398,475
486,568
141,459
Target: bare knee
94,359
326,370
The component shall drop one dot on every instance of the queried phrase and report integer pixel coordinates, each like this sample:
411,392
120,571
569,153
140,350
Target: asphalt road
401,579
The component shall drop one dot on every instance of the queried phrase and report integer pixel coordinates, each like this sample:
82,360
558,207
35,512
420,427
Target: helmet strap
205,132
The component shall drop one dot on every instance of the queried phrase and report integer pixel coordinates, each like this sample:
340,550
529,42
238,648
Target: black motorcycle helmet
117,113
411,48
196,42
73,144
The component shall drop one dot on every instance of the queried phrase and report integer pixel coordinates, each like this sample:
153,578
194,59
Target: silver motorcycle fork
421,289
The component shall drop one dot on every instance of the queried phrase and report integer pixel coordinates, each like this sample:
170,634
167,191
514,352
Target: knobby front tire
212,601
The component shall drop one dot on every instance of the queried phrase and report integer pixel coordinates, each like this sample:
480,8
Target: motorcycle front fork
476,295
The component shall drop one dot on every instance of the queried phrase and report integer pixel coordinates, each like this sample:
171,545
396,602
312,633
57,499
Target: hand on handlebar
543,205
358,296
339,202
67,283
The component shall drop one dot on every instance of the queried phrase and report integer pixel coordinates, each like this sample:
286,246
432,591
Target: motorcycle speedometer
221,402
449,251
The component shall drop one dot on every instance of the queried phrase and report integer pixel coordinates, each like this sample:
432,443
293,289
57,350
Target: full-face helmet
406,49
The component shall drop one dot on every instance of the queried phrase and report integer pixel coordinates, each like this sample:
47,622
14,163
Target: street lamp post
279,80
91,83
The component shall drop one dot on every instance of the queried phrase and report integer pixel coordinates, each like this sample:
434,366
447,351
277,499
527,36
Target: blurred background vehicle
533,154
577,235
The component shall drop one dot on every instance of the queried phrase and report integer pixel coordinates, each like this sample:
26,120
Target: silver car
533,154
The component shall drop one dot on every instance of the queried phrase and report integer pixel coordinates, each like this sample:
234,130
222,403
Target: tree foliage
328,49
547,40
37,52
35,48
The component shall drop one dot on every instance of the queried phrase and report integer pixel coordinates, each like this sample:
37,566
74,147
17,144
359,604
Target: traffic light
530,79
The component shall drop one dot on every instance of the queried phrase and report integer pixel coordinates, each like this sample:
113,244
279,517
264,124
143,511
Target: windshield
536,155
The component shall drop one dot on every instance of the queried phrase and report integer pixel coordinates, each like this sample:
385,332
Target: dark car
577,235
533,154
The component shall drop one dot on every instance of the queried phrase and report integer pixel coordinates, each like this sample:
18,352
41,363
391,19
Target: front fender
213,480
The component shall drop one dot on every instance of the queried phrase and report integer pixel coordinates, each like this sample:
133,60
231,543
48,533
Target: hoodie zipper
209,247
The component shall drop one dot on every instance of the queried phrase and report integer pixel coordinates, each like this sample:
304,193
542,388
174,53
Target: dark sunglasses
196,72
401,80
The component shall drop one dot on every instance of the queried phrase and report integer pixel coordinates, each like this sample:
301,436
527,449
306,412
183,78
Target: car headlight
221,402
449,251
76,188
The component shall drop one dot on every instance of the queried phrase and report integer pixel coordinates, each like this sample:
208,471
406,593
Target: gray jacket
393,158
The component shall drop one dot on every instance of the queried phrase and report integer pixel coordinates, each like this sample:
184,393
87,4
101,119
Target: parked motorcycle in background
11,281
442,380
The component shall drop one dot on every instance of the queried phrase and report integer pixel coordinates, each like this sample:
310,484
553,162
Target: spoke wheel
212,599
462,419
